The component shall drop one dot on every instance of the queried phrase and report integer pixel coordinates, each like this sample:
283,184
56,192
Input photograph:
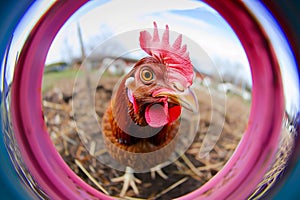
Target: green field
50,79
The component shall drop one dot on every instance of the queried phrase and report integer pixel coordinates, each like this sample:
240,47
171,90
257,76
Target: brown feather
120,118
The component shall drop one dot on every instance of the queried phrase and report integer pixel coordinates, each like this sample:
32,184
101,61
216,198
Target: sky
202,27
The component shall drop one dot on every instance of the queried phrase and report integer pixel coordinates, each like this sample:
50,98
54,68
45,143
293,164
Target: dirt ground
187,173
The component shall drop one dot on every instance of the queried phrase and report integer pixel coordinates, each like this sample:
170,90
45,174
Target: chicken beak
187,98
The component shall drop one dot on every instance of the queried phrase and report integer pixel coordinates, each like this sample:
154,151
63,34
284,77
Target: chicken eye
147,75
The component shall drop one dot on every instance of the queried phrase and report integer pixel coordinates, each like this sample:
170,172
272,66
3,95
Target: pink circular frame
235,181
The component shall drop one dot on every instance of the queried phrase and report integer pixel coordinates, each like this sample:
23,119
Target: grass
50,79
54,78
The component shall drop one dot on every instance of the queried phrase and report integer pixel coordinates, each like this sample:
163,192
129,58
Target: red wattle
174,113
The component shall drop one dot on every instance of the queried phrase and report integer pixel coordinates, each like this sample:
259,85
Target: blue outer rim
288,17
10,14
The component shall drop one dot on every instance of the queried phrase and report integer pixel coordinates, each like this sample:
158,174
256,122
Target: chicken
141,123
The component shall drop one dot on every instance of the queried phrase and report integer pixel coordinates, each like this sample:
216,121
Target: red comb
175,57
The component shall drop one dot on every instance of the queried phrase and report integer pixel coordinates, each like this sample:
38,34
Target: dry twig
55,106
171,187
78,163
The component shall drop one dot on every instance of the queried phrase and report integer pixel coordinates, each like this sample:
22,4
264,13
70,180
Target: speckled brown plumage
130,155
138,153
